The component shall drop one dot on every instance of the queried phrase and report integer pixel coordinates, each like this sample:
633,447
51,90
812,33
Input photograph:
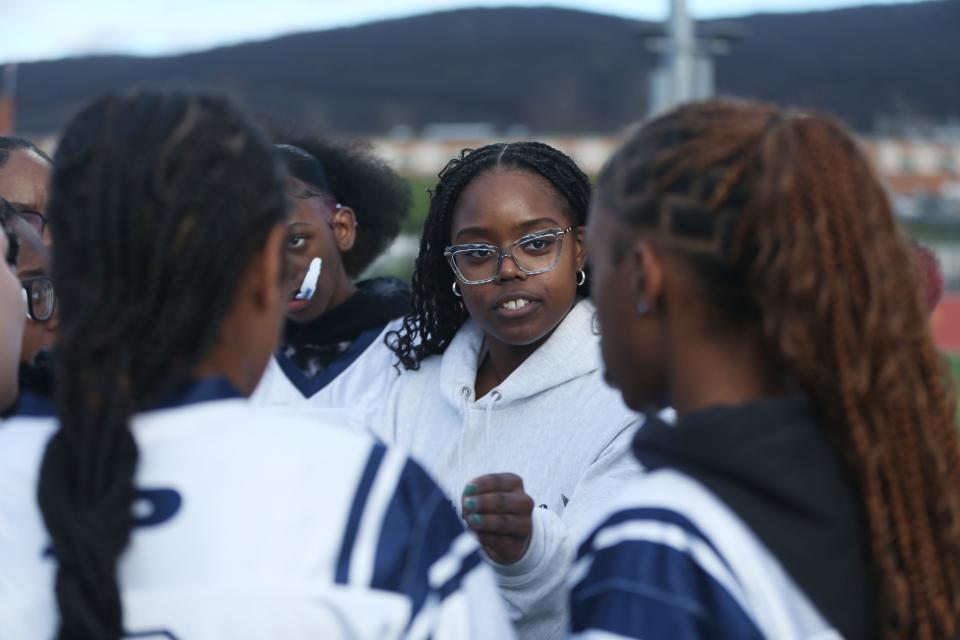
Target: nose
509,270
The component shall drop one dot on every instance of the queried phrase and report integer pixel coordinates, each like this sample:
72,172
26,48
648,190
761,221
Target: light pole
686,70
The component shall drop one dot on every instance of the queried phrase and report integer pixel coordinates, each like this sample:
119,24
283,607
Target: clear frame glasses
479,263
40,296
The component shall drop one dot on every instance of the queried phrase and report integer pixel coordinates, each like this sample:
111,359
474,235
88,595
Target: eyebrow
523,227
25,208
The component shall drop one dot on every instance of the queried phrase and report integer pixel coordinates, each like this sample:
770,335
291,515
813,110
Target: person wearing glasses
24,178
40,332
502,395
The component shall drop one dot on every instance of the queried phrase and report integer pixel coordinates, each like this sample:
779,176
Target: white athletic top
667,559
254,523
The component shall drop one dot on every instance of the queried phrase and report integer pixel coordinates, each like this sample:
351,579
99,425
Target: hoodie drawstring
494,397
465,394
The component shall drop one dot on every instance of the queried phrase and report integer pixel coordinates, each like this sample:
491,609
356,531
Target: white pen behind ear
309,285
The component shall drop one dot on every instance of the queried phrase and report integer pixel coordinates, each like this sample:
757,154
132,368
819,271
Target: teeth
513,305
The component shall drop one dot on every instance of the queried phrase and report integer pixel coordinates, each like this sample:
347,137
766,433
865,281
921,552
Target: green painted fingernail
470,489
470,504
475,519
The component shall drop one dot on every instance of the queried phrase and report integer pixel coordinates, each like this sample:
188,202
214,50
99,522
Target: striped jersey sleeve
403,536
650,573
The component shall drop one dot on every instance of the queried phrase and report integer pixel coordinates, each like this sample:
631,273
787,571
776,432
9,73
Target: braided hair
785,220
437,313
159,201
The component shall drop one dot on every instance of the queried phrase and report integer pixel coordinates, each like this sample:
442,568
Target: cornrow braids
789,211
437,313
158,202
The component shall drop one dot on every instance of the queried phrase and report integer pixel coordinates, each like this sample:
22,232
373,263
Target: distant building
424,156
923,173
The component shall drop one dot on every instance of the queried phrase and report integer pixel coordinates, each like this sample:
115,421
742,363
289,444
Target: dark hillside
548,69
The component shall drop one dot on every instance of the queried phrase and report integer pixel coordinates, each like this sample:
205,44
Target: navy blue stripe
419,528
196,391
31,405
655,514
310,386
643,589
468,564
356,512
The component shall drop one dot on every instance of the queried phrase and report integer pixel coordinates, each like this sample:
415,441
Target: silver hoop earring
643,308
456,289
581,277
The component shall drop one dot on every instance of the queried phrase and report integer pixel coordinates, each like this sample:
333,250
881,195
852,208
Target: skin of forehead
24,178
528,197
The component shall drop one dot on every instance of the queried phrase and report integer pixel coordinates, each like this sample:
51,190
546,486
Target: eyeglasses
40,297
35,219
534,253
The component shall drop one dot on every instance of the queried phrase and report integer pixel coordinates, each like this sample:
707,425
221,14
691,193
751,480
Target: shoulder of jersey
664,490
240,418
691,527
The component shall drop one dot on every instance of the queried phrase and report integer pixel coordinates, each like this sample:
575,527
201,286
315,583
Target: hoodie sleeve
534,587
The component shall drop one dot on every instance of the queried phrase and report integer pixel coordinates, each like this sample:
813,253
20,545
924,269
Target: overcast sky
43,29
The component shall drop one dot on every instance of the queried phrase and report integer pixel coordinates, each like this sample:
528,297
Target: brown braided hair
787,224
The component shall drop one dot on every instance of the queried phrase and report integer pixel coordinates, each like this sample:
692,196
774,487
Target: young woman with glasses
501,393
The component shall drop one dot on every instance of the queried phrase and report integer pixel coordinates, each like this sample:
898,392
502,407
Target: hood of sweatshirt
572,350
770,462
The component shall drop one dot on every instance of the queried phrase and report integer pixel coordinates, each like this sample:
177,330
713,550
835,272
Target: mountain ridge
548,69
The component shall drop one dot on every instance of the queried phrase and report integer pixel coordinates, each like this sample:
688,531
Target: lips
297,305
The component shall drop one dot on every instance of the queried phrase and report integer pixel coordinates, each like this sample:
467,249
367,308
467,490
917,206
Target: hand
498,510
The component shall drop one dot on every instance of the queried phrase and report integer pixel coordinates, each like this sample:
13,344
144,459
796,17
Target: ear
580,246
265,276
344,225
646,277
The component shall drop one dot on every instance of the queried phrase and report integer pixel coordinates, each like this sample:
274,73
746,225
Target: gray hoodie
553,421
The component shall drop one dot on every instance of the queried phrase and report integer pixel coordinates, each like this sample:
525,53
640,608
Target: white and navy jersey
359,380
252,523
668,559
